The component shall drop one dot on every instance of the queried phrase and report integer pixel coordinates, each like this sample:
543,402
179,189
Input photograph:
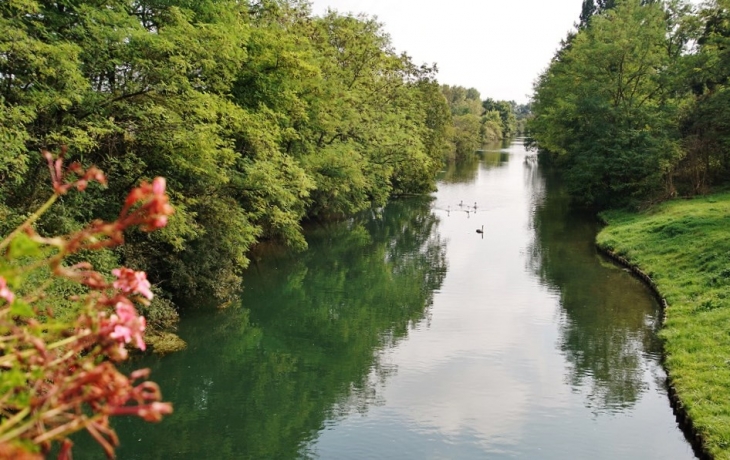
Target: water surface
405,334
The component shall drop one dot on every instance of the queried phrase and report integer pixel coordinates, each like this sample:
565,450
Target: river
405,334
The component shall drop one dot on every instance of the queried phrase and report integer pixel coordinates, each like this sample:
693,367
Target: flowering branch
57,378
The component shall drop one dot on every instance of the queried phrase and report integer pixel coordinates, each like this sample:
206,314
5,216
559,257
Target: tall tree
589,8
605,110
704,125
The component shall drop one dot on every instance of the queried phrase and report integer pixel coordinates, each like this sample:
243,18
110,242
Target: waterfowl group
468,210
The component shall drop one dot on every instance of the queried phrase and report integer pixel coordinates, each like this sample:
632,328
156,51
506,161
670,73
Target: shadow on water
609,321
261,382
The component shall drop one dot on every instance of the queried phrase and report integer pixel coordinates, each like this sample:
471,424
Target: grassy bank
684,246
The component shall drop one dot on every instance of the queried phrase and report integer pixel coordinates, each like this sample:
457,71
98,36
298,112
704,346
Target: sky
498,47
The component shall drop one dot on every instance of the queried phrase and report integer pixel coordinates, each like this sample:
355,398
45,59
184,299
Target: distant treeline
259,114
477,121
635,106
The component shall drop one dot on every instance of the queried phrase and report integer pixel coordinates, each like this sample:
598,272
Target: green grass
684,246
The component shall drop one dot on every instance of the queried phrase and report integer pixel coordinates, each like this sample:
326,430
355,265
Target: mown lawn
684,245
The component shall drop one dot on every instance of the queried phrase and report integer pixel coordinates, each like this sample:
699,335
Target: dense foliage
259,115
632,107
477,121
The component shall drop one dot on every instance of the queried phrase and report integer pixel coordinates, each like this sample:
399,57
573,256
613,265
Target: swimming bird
480,230
475,205
461,203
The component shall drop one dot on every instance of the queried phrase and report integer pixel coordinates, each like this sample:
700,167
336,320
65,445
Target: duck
480,230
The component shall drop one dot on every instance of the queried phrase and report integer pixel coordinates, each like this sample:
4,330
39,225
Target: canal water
406,334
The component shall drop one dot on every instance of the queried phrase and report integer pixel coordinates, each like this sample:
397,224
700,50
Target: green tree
507,118
706,133
606,111
491,129
367,121
589,8
259,114
468,126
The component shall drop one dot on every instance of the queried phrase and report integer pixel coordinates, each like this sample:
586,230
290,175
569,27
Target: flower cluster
60,175
151,215
130,281
126,325
57,378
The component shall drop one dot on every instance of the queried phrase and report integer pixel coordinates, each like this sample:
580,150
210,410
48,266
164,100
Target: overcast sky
496,46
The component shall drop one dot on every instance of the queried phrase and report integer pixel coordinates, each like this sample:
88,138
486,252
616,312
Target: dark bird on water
480,230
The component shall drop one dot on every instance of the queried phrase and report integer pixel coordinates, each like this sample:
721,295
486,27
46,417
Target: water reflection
608,321
485,379
463,172
494,159
319,365
466,170
261,383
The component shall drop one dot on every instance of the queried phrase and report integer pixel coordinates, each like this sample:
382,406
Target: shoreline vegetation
260,115
253,118
682,249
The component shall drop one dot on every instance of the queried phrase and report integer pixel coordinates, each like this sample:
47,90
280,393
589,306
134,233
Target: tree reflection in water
609,321
466,169
261,380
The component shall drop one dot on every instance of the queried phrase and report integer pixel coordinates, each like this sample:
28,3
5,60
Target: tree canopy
260,115
477,121
632,108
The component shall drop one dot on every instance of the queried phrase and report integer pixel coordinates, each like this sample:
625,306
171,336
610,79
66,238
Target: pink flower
59,175
138,339
5,293
159,222
126,325
158,186
158,208
131,281
126,311
121,332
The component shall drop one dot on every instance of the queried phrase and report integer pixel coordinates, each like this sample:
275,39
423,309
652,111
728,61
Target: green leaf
20,308
23,246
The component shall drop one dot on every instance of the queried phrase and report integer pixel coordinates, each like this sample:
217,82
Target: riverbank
684,247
